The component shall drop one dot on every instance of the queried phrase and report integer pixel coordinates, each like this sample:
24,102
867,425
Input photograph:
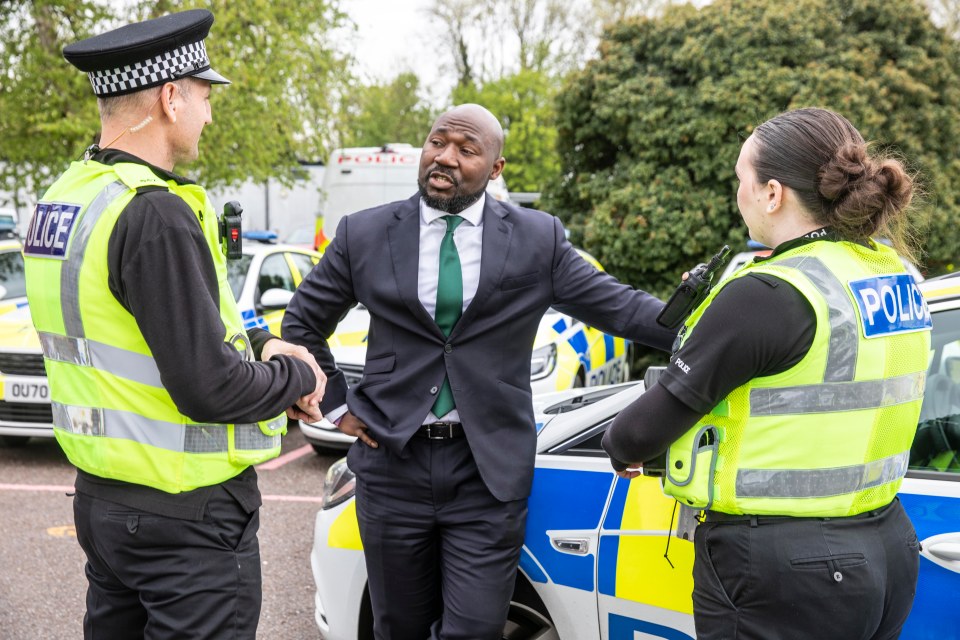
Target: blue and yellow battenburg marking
633,542
591,348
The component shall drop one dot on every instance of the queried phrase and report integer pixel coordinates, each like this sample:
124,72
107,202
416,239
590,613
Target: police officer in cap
160,398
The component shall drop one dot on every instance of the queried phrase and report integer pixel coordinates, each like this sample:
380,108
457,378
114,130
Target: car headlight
543,361
339,485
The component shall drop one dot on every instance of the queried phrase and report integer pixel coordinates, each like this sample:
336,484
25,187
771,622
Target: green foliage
524,103
391,112
649,133
47,110
275,112
278,55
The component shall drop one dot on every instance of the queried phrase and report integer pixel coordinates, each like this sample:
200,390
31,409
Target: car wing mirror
275,298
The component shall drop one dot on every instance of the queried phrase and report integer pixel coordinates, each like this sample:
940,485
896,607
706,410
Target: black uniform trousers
441,551
154,577
795,578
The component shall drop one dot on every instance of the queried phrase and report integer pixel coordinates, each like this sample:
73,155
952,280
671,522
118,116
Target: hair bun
848,167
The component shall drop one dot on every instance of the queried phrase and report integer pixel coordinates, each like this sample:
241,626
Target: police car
566,354
262,281
598,560
24,397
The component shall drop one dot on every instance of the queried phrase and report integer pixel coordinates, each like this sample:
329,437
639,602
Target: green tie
449,302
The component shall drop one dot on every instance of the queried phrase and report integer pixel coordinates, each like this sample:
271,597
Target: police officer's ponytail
828,165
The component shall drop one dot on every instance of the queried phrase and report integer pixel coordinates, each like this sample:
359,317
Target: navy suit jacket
527,266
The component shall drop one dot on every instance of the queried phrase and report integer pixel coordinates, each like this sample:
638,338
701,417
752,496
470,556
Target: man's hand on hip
351,425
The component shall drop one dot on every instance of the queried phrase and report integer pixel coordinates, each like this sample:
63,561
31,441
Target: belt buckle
435,431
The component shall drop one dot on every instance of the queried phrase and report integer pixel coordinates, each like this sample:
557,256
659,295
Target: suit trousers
150,576
441,550
800,578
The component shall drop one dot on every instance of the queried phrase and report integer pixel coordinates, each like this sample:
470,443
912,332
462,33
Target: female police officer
790,406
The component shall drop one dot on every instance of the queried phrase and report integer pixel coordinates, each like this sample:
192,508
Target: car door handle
945,550
576,546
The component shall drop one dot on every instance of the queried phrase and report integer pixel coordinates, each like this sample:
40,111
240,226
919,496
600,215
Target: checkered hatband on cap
161,68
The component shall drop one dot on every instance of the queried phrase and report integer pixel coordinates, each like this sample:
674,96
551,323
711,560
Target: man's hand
630,473
308,406
351,425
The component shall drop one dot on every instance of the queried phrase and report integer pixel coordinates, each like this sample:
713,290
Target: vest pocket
691,462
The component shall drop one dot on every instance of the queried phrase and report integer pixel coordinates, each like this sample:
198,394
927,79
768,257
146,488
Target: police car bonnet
146,54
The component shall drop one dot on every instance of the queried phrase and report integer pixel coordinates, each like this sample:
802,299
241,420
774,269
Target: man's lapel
497,232
404,238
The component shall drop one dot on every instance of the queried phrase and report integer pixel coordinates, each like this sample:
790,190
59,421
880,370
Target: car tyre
322,450
525,623
12,442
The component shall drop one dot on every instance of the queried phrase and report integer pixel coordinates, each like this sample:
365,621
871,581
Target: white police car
262,281
595,563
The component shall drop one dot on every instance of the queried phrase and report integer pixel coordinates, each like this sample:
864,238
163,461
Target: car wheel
322,450
524,623
13,441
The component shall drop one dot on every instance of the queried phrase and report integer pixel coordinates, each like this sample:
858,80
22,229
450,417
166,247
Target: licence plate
26,390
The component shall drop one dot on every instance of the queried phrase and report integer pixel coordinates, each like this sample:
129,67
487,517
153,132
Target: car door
644,574
931,491
622,532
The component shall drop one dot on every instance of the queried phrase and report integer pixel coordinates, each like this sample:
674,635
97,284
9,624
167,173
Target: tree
275,113
389,112
649,133
47,111
524,104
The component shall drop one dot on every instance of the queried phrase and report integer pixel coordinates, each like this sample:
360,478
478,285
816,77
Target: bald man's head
484,120
460,156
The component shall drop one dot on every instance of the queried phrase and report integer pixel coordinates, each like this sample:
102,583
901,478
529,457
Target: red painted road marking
285,458
66,489
37,487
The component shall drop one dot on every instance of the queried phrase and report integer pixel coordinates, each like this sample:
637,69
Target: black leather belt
716,516
440,431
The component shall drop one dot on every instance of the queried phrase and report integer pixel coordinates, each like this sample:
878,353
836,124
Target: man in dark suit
456,284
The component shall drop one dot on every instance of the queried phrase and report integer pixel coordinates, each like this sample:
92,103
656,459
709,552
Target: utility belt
753,521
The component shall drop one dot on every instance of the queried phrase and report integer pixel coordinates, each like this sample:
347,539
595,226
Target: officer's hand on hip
351,425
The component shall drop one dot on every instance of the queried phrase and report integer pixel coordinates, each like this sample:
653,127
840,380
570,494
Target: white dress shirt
468,237
469,240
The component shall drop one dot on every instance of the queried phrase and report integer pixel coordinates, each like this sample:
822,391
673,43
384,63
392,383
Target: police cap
146,54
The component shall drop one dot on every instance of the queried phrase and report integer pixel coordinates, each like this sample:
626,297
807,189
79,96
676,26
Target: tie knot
453,221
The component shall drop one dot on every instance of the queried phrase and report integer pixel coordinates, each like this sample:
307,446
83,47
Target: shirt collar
472,214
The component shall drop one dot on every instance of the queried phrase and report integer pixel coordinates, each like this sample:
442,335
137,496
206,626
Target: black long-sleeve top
759,325
162,272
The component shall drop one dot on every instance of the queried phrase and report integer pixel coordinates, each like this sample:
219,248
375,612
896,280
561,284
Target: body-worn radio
231,239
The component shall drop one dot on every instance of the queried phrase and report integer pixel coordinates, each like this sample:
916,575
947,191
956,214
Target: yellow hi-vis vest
831,435
112,416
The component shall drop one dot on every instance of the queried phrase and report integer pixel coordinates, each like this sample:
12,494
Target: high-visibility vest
830,436
112,415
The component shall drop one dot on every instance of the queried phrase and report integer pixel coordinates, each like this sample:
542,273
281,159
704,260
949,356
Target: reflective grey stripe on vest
820,483
837,396
89,353
70,271
190,438
844,337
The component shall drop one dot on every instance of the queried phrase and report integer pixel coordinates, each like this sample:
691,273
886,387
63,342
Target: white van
358,178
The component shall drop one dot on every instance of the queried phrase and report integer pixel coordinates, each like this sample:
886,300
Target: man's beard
453,204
